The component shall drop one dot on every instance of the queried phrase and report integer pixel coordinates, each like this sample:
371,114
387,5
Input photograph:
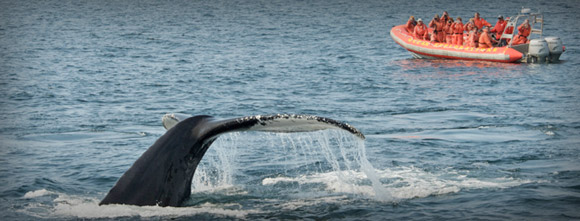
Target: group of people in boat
445,29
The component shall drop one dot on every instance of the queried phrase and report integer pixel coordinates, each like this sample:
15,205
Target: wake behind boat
537,50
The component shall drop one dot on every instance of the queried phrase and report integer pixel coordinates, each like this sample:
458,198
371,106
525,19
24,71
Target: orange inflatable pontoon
426,49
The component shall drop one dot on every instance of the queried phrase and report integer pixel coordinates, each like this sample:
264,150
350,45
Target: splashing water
325,161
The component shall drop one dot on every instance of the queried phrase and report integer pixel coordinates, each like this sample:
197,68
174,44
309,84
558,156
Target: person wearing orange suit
458,32
420,31
437,29
523,32
485,40
472,38
411,24
479,21
445,17
508,30
469,25
499,27
448,30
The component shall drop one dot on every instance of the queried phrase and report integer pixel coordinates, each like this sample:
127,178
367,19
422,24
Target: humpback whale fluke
162,175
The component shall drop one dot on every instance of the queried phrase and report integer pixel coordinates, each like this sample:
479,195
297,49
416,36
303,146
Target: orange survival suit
411,24
437,33
499,27
420,31
524,31
485,40
479,23
457,33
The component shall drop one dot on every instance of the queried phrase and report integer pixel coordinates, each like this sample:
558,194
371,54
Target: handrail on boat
533,18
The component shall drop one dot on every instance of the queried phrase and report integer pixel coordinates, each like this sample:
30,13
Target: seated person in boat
469,25
411,24
472,38
485,40
420,31
523,32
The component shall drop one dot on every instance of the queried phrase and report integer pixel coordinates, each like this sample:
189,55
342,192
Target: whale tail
162,175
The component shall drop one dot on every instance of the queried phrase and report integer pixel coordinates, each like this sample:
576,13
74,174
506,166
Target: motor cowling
538,51
555,48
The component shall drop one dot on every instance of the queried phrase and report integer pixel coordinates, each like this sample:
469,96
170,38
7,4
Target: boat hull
430,50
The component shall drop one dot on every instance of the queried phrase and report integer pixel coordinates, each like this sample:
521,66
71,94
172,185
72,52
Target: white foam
405,183
300,203
412,182
67,206
92,210
336,181
37,193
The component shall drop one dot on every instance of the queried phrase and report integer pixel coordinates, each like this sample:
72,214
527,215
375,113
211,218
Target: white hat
419,20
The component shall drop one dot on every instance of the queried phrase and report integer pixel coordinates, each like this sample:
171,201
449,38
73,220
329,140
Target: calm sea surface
83,86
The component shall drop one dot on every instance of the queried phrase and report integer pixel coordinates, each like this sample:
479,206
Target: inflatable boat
539,50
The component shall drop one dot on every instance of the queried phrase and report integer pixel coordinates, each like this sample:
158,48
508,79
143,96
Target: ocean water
84,84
